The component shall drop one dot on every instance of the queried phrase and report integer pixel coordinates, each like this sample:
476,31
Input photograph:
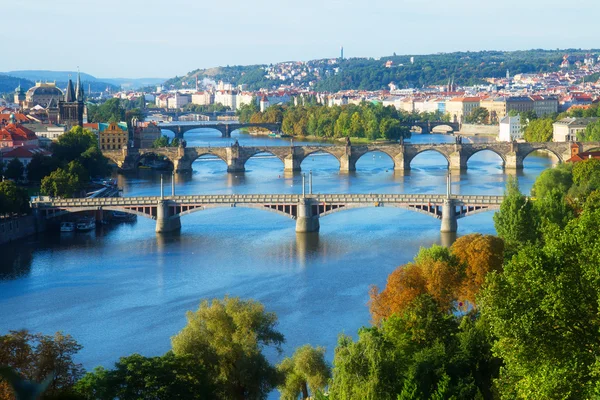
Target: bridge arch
289,214
150,153
548,150
260,152
445,126
431,149
68,211
321,150
376,150
207,153
492,150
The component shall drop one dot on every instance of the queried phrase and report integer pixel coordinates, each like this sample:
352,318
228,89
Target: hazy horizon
142,40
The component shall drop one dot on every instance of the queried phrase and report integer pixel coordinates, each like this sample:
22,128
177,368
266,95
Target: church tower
19,96
71,107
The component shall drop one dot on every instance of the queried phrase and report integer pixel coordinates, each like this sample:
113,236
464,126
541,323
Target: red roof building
14,135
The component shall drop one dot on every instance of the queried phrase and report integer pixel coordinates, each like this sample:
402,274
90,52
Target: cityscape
186,217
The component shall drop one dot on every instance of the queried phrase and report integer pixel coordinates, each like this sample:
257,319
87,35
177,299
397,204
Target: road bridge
428,126
456,154
305,209
224,127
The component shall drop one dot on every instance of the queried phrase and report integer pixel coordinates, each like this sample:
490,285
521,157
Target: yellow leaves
448,277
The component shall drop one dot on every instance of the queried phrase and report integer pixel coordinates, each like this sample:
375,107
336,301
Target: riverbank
16,228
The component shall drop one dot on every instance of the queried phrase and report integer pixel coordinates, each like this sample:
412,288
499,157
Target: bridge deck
267,198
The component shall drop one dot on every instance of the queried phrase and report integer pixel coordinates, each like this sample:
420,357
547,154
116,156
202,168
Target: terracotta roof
584,156
16,132
25,152
18,117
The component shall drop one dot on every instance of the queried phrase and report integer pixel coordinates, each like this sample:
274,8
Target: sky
165,38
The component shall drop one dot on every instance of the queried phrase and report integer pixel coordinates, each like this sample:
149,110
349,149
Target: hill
466,68
8,84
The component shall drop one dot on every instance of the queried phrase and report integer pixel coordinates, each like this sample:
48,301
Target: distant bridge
224,127
428,126
457,155
306,209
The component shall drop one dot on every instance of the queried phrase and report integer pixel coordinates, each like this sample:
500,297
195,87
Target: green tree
591,133
478,115
37,356
71,145
539,130
162,141
40,166
515,222
60,183
94,162
138,377
306,369
227,336
356,125
14,169
13,199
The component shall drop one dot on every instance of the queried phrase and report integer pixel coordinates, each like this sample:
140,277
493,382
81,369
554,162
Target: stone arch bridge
428,126
457,155
306,209
224,127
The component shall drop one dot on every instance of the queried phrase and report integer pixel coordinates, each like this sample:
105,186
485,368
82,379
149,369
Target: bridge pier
513,161
400,163
449,219
457,161
234,162
347,164
306,220
166,221
291,163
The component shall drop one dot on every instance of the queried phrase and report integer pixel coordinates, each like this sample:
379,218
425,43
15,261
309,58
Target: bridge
305,209
428,126
224,127
456,154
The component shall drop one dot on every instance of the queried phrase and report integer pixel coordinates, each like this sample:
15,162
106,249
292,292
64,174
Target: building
264,103
20,96
544,105
567,129
460,107
496,107
510,129
144,134
24,154
19,118
71,107
519,104
15,135
114,137
203,98
226,98
41,94
46,133
177,101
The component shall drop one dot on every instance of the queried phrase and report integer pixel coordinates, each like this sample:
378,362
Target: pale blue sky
164,38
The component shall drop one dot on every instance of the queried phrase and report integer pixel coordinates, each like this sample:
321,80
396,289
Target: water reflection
307,247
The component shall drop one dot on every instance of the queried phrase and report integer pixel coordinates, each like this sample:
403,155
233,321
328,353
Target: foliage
138,377
115,110
60,183
306,369
163,141
40,166
227,337
13,199
539,130
478,115
516,220
197,108
591,132
37,356
14,169
415,354
70,145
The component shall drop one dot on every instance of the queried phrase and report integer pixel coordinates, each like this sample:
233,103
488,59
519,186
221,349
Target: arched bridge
456,154
225,128
305,209
428,126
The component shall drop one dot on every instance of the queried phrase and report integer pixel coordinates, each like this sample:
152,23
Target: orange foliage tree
447,275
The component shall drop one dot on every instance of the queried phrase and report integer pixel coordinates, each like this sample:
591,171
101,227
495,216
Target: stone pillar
291,162
165,220
347,164
182,165
401,163
513,161
449,221
457,161
234,162
306,221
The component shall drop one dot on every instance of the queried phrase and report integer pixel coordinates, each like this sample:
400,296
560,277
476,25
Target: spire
70,94
79,88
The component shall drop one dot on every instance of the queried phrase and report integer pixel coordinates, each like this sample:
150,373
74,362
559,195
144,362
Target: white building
510,129
226,97
567,129
244,98
178,100
264,103
203,98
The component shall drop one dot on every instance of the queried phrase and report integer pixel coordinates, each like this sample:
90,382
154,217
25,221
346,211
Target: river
124,289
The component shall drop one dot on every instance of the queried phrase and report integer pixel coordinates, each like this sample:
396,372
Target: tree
481,254
60,183
162,141
479,115
40,166
538,130
306,369
227,336
516,222
591,132
13,199
137,377
37,356
73,144
14,169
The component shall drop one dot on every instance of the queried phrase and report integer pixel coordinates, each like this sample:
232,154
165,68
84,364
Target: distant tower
71,108
19,96
412,60
196,83
507,74
341,52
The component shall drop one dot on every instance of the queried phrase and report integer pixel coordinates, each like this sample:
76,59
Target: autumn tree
539,130
480,254
305,370
228,336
